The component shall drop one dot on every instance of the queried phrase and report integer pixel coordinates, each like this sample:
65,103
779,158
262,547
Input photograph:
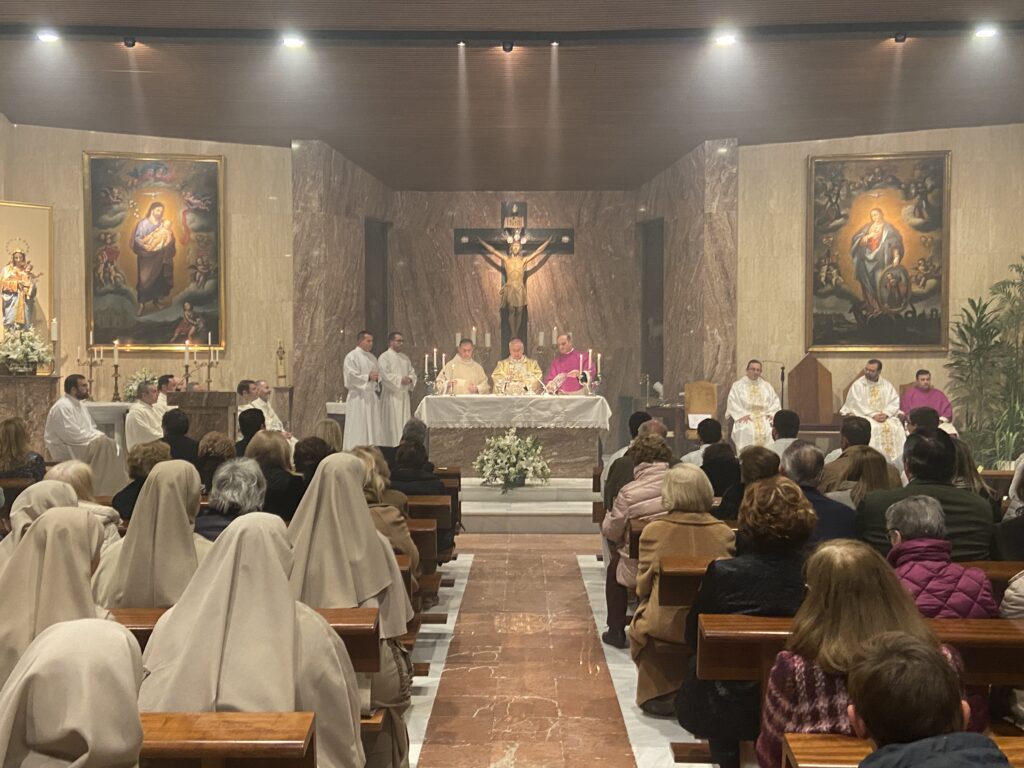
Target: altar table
569,428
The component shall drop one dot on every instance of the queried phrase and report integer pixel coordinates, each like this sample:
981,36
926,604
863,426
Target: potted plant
23,351
509,460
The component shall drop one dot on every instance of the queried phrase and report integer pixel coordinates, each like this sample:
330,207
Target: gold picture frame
155,267
877,252
28,227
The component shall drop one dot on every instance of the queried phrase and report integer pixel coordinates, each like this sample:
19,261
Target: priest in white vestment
462,375
751,406
398,379
877,400
144,423
263,394
362,406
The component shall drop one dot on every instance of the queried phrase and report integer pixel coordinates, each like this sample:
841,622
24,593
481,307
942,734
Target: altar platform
562,506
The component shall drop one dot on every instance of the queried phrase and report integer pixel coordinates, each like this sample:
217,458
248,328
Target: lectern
208,412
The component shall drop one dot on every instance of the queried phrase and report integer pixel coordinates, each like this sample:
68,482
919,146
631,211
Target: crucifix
511,249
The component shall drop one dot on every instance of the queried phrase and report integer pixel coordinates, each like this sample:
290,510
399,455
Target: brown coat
835,472
390,522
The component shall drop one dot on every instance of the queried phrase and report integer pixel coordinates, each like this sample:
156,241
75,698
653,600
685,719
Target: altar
569,428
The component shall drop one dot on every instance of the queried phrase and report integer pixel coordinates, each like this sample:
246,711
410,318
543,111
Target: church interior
448,383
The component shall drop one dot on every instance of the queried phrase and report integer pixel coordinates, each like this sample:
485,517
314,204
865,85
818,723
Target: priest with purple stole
566,368
924,395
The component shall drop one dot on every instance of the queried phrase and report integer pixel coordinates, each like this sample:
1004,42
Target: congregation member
284,487
517,374
756,463
250,423
78,475
721,466
260,650
638,501
569,368
17,459
923,394
414,431
854,431
46,581
238,488
1012,607
258,396
411,475
71,433
398,379
968,477
214,449
142,422
802,463
1016,492
930,462
655,635
308,454
362,404
341,561
387,519
621,471
709,432
152,564
635,420
905,699
168,382
876,399
175,433
852,596
88,670
764,579
30,504
922,418
462,375
866,471
785,428
329,431
751,405
141,460
389,495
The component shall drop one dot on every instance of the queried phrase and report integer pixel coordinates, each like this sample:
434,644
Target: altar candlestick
54,336
487,339
472,335
116,342
435,358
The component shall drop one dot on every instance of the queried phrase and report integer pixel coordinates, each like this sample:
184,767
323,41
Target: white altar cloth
491,411
109,418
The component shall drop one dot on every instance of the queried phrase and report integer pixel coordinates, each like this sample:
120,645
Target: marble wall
987,234
30,398
44,165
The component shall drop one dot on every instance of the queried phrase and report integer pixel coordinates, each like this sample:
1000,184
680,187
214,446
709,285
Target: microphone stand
782,383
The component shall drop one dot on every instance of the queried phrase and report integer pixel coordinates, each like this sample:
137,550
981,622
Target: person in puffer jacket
923,561
1012,607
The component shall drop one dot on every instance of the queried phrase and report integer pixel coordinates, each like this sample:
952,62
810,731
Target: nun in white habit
30,504
46,580
238,641
151,566
341,561
72,700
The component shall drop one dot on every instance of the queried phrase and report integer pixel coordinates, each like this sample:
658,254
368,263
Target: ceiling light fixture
726,38
986,30
461,43
554,43
293,41
47,36
129,42
900,37
507,46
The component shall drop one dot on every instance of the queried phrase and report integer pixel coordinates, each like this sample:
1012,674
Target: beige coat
656,634
389,521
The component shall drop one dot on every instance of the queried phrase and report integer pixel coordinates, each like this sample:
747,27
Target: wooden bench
999,480
424,536
359,629
12,488
679,579
213,739
826,750
405,566
437,508
999,572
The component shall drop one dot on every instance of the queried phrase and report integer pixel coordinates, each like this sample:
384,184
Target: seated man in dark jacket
238,487
414,431
802,463
250,421
175,424
410,475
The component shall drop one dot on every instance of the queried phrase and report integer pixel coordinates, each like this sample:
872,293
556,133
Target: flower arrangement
131,386
22,350
511,460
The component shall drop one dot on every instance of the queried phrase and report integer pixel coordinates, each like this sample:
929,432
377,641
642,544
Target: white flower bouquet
131,386
510,460
23,350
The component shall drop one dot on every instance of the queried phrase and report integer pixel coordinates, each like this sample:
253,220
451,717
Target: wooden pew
424,536
437,508
229,739
999,572
405,566
680,579
12,488
817,750
359,629
595,484
998,479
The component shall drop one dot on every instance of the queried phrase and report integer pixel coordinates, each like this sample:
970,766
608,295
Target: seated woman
238,489
17,459
1012,607
387,519
88,670
341,561
867,470
30,504
284,488
308,454
389,495
657,630
151,566
411,475
329,431
78,475
967,476
756,463
260,650
764,579
141,460
721,467
638,500
852,596
46,581
215,448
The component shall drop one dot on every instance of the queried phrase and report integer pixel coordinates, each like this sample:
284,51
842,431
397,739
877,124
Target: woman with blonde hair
867,470
329,431
17,459
284,488
78,475
386,518
852,595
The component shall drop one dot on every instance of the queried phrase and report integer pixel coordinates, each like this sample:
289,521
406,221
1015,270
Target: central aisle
525,683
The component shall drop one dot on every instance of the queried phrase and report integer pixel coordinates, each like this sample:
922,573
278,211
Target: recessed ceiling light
726,38
293,41
47,36
986,30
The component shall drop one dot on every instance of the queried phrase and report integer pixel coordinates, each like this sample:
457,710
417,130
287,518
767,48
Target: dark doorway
375,282
652,298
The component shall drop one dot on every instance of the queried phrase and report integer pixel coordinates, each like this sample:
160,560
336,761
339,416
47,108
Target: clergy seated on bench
866,470
238,488
802,463
386,518
284,488
30,504
78,475
905,699
854,433
71,433
260,650
329,431
621,471
764,579
655,636
215,448
142,422
756,463
89,672
17,459
141,460
249,423
308,454
721,467
852,596
175,426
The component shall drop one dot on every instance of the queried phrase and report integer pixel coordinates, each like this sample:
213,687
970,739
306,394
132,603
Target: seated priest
70,433
258,396
463,375
142,423
517,374
569,369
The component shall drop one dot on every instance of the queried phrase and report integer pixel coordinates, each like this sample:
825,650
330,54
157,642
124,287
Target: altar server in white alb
752,404
398,379
71,433
144,422
362,406
877,400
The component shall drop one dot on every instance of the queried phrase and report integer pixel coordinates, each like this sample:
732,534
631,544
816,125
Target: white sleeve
774,404
892,407
390,378
734,408
71,430
354,376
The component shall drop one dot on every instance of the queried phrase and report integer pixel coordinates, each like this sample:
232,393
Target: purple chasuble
933,398
566,363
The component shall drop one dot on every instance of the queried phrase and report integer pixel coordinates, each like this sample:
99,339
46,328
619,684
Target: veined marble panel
29,397
568,452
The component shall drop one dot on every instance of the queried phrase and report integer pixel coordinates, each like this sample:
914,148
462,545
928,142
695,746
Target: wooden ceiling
606,110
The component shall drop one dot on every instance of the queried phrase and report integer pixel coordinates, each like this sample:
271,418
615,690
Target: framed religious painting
154,244
26,278
878,252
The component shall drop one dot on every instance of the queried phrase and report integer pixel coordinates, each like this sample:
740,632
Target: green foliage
509,460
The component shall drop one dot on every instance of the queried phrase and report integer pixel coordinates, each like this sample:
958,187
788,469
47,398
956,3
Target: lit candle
581,363
540,342
487,339
426,362
91,342
590,358
116,342
472,335
554,335
186,353
78,355
444,360
435,358
53,330
458,338
598,365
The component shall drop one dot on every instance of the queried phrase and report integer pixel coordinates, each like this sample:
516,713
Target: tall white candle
444,359
599,365
458,338
540,342
53,330
554,334
186,353
590,358
116,343
78,354
472,335
581,363
435,357
91,342
426,362
487,339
